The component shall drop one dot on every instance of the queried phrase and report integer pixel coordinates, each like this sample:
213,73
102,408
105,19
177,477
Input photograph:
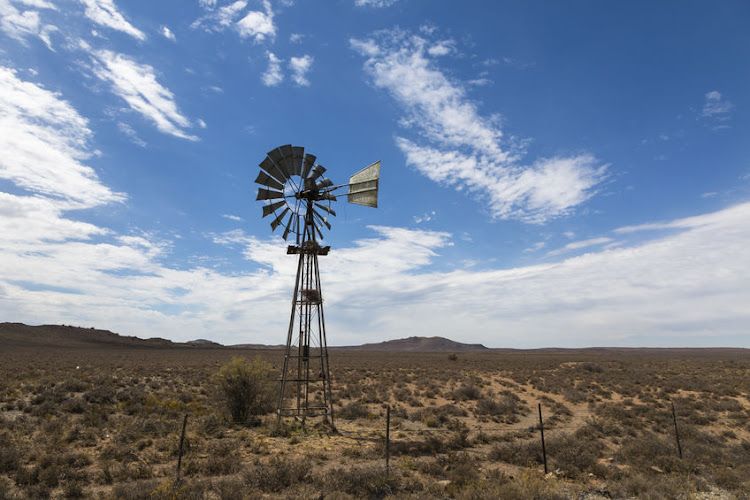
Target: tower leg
306,347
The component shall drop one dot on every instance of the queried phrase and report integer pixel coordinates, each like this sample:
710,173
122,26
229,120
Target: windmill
300,198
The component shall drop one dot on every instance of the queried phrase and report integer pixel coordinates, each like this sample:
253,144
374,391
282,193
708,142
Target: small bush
353,411
362,482
467,391
245,388
278,474
524,453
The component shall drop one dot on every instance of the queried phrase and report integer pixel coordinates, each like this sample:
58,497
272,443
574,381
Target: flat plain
83,419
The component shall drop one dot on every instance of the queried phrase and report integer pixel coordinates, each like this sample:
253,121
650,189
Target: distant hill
419,344
20,335
204,343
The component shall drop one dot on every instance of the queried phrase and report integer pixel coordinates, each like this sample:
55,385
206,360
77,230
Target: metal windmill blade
277,220
298,156
307,165
266,180
273,170
269,209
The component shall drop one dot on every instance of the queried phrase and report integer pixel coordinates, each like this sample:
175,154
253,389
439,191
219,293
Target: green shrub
245,388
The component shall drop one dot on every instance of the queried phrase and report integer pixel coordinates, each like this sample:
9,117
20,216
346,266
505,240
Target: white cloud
235,218
480,82
548,188
167,33
300,66
536,246
44,142
698,221
31,219
466,149
374,3
20,24
222,18
105,13
132,135
442,48
207,4
427,217
258,25
716,106
296,37
577,245
689,288
273,75
137,85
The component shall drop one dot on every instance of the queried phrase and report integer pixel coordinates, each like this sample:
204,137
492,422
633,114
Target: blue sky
553,173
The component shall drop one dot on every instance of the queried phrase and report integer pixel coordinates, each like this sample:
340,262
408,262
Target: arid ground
103,420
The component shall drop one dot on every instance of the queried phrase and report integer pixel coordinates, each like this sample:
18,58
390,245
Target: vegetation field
106,422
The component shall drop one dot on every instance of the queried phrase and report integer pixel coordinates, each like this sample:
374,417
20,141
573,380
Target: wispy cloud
717,110
711,219
18,24
577,245
465,149
137,85
427,217
716,106
44,142
300,66
374,3
222,18
131,133
235,218
167,33
273,75
257,25
105,13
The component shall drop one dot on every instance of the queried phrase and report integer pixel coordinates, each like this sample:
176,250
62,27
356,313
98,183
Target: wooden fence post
541,430
387,440
182,441
676,432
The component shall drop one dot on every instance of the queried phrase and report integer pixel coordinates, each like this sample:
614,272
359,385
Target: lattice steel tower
298,194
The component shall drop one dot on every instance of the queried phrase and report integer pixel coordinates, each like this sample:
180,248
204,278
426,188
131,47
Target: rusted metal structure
300,199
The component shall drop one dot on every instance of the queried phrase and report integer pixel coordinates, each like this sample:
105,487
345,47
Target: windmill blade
274,171
321,219
298,153
289,225
327,209
329,196
268,181
269,209
277,157
363,186
307,164
268,194
317,230
317,171
277,220
287,158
